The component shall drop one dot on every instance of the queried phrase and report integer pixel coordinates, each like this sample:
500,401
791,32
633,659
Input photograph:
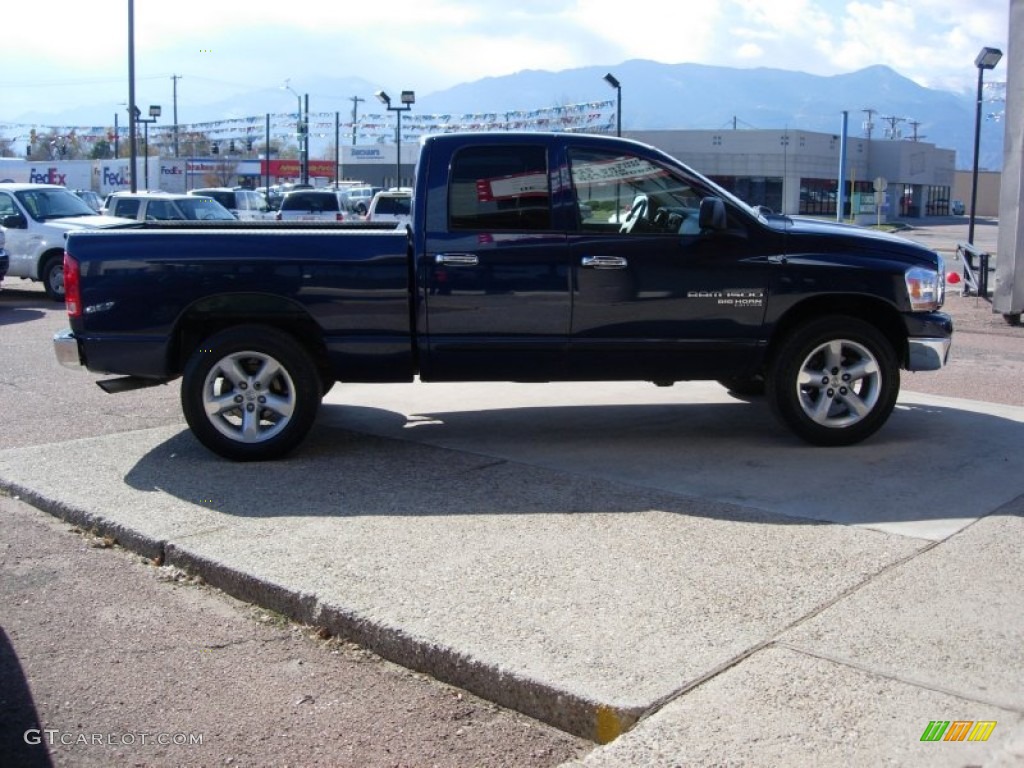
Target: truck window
127,208
500,187
623,193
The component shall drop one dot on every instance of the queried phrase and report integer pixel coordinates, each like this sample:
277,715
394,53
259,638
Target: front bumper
65,346
927,354
929,338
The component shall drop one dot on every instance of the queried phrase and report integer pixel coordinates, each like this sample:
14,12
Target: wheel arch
874,311
44,256
213,314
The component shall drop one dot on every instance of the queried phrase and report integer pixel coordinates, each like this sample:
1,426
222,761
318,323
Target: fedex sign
49,176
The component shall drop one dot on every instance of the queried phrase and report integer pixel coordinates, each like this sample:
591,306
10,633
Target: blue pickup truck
530,257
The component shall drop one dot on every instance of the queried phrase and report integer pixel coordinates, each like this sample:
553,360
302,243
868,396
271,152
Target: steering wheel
637,212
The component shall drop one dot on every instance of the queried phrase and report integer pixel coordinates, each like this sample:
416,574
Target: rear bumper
65,347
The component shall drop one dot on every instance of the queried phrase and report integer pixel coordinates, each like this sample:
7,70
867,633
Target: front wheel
250,393
834,381
52,275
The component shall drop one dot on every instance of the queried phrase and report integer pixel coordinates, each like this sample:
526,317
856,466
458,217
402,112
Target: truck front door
655,297
493,273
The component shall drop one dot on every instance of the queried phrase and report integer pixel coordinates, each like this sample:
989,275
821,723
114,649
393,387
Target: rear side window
500,187
394,206
127,208
312,202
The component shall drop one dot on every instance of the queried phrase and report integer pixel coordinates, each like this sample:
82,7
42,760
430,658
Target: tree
101,150
223,174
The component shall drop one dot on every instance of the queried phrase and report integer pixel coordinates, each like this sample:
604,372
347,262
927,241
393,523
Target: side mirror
712,214
14,221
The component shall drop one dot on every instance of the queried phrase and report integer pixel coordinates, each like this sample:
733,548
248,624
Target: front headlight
926,288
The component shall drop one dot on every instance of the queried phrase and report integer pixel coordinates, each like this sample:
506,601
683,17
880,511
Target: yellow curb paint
607,725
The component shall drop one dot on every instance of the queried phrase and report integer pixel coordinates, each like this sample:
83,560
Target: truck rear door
493,270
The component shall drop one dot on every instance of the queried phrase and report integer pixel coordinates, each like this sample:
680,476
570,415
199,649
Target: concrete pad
782,707
939,463
578,600
952,618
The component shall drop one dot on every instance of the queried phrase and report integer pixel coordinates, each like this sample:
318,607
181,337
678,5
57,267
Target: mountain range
658,96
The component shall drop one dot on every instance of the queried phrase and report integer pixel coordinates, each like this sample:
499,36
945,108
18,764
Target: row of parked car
35,218
224,203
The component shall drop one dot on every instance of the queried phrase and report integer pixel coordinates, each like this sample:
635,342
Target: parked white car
244,204
311,205
37,218
391,205
166,206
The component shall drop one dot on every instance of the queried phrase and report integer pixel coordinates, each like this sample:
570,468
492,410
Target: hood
816,235
88,222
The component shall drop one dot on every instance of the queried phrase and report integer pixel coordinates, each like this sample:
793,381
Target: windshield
204,209
48,203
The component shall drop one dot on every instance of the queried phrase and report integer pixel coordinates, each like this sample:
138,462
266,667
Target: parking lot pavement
666,571
589,555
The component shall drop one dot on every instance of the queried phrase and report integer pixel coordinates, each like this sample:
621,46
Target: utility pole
915,124
869,124
893,133
175,79
355,116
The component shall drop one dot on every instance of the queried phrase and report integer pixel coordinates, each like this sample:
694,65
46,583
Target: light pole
301,128
408,99
154,113
987,59
614,83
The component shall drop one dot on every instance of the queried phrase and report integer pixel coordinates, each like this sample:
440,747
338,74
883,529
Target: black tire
52,275
751,386
254,370
834,381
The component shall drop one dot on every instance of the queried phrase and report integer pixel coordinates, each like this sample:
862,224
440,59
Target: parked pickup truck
530,257
37,217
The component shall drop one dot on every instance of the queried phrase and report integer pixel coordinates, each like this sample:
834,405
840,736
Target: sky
70,54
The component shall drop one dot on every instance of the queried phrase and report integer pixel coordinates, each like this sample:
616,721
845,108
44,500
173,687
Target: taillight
72,286
340,216
277,216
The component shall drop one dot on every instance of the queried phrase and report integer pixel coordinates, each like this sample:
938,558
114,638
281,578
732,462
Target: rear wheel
52,275
250,393
834,381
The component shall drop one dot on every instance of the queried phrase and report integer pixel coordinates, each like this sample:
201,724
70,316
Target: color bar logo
958,730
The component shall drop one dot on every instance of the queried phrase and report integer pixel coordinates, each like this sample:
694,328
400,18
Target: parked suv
311,205
166,206
3,257
243,203
391,205
356,199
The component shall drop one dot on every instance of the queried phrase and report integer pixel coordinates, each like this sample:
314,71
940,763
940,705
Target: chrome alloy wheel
249,397
839,383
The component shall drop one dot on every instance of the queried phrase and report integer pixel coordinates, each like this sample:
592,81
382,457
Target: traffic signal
231,146
248,145
28,150
214,149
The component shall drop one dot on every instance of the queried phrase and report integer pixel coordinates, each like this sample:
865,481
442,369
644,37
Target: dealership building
789,171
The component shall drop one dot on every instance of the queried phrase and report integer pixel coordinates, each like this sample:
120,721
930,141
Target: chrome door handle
604,262
457,259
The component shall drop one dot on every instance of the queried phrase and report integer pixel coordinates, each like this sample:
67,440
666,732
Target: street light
987,59
154,113
614,83
301,128
408,99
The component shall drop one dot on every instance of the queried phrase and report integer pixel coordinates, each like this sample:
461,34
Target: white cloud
223,48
